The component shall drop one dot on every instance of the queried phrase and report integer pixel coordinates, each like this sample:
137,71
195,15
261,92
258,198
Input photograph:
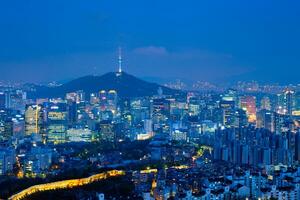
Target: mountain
125,84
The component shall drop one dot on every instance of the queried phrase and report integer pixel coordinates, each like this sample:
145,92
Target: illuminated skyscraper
230,95
16,100
240,119
18,125
72,96
140,110
265,103
227,107
94,99
193,106
103,100
108,102
57,121
80,96
112,100
266,120
33,119
289,101
160,110
12,126
285,102
79,135
107,131
296,109
248,103
8,129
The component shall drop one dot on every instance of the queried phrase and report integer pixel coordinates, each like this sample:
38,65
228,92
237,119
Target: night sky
44,40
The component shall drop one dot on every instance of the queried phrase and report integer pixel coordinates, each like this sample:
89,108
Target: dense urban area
203,142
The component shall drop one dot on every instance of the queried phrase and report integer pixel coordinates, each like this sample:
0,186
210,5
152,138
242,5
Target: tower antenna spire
120,60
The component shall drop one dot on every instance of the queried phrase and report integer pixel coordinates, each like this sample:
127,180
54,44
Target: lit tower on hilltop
119,62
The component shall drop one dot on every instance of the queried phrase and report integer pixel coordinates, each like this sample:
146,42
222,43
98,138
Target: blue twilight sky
214,40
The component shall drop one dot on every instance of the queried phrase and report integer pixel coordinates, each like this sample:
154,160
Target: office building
57,122
33,119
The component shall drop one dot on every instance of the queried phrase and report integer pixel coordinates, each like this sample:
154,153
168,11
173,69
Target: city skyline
149,100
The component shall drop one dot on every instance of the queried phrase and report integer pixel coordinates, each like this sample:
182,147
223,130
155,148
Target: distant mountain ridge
125,84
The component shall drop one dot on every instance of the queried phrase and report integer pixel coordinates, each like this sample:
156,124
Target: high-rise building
297,146
245,154
8,129
139,109
279,122
266,156
2,100
78,96
285,102
296,109
72,112
160,110
265,103
228,109
179,135
17,100
7,160
107,131
7,100
230,95
112,100
266,120
289,101
240,119
79,135
141,134
193,106
13,125
148,126
57,122
103,100
94,99
33,119
248,103
72,96
37,161
18,126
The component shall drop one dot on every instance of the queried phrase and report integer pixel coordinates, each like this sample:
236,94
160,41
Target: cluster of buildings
228,182
249,129
250,146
